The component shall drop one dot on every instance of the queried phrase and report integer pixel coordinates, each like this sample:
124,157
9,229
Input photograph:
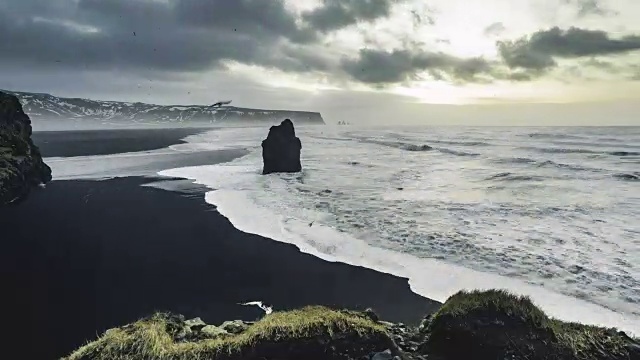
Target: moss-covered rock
21,165
470,325
498,325
309,333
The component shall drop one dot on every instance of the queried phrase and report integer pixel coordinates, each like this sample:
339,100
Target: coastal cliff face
45,107
21,165
470,325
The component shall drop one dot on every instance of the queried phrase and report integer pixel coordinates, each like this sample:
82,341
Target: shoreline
127,247
322,242
100,154
97,142
120,251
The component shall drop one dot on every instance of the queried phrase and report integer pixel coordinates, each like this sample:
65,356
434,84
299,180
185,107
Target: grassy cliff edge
490,324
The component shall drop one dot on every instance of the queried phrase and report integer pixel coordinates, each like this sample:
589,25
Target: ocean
552,213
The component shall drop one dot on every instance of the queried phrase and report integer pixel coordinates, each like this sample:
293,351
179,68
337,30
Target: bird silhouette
220,103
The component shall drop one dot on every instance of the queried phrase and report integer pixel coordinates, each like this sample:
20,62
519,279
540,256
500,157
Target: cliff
45,107
469,325
21,165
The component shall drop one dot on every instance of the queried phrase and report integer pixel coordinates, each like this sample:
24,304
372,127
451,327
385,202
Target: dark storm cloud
383,67
538,51
173,35
181,36
255,17
336,14
54,43
124,13
523,60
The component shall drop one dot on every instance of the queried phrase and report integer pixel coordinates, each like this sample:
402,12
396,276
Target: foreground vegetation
309,333
470,325
495,324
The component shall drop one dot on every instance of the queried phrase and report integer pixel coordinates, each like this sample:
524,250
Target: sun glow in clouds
465,30
312,82
71,25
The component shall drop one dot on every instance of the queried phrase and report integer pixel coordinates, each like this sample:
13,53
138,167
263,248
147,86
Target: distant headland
46,107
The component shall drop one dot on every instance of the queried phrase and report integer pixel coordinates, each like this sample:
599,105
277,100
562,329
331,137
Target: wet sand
102,142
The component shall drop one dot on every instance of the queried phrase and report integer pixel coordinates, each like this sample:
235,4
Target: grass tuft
315,331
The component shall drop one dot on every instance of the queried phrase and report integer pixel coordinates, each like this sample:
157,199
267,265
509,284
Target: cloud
186,35
175,36
495,29
539,51
635,73
171,35
589,7
417,19
600,64
337,14
252,17
386,67
167,37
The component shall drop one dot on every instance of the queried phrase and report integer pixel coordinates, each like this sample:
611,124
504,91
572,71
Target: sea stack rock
21,165
281,149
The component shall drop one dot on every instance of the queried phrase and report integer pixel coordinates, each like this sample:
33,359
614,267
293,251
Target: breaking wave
554,136
543,163
514,160
565,166
628,177
400,145
462,143
624,153
457,152
413,147
555,150
507,176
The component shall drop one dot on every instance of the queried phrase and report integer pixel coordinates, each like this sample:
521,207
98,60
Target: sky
494,62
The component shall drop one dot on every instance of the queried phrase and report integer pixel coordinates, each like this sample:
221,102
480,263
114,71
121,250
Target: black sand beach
80,257
103,142
74,150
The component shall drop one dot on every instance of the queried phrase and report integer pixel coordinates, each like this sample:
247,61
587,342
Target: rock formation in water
281,149
470,325
21,165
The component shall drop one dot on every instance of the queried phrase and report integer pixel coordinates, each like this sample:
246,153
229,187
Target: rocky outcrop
281,149
470,325
495,324
21,165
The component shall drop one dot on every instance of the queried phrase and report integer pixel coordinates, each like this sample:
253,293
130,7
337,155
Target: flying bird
220,103
266,308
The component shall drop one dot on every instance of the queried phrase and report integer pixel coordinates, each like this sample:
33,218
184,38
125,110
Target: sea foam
256,204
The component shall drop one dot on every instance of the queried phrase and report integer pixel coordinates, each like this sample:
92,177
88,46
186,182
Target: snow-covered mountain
45,107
